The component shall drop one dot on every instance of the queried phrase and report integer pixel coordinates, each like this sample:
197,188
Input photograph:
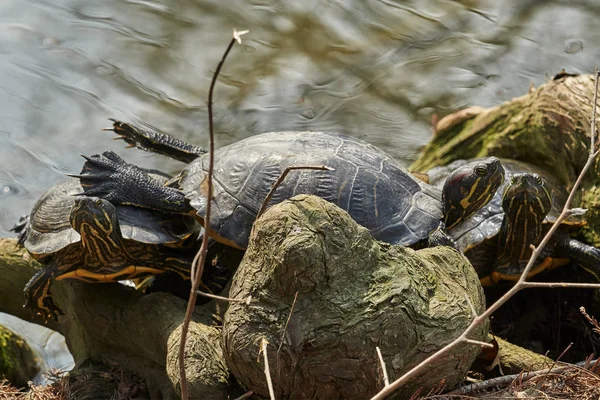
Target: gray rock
354,294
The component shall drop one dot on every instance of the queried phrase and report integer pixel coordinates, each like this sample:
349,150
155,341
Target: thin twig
245,395
282,177
228,299
593,136
521,283
591,320
286,324
263,349
576,285
523,376
386,379
473,310
560,356
199,260
480,343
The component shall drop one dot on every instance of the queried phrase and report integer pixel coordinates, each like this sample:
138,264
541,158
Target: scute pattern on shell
377,192
50,230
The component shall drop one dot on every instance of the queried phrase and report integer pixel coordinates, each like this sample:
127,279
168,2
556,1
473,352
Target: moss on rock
549,127
354,293
17,361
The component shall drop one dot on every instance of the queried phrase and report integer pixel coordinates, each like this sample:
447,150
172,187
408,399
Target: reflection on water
375,69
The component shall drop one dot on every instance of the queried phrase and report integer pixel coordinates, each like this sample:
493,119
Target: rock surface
18,364
114,324
353,294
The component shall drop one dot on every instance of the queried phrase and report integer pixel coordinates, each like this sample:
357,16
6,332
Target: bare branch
473,310
263,350
286,324
214,296
245,395
561,284
386,379
480,343
521,283
593,133
282,177
200,258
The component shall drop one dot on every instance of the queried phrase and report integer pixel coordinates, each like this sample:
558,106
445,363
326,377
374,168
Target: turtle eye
481,170
98,202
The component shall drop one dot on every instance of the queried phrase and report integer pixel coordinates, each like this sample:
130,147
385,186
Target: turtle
497,238
374,189
90,239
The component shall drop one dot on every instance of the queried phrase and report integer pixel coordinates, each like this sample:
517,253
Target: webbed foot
133,136
109,177
21,228
39,298
440,237
149,140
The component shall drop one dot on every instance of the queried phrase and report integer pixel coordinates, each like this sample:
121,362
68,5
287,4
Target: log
354,294
514,359
548,127
114,324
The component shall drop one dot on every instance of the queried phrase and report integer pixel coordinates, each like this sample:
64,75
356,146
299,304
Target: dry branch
200,258
521,283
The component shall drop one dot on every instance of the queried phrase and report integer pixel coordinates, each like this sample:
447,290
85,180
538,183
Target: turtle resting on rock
90,239
497,238
375,190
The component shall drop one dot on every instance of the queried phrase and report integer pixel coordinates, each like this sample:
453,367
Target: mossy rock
548,127
354,293
18,364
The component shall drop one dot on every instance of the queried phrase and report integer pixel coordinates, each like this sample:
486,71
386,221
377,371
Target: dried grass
566,381
63,386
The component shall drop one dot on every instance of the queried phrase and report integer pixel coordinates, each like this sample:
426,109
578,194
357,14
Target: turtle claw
39,298
21,228
104,175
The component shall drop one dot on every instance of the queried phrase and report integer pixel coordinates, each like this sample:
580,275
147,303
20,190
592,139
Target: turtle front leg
109,177
156,142
38,296
588,257
21,228
440,237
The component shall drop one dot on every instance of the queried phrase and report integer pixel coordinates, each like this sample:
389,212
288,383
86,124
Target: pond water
379,70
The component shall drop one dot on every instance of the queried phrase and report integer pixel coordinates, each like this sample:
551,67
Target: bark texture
354,294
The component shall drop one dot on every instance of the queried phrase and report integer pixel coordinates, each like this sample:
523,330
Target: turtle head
526,202
469,188
527,191
96,221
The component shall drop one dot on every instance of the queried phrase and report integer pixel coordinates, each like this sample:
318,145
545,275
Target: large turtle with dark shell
90,239
374,189
497,238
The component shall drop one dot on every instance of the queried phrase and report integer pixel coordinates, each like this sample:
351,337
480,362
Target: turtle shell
486,223
50,230
373,188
